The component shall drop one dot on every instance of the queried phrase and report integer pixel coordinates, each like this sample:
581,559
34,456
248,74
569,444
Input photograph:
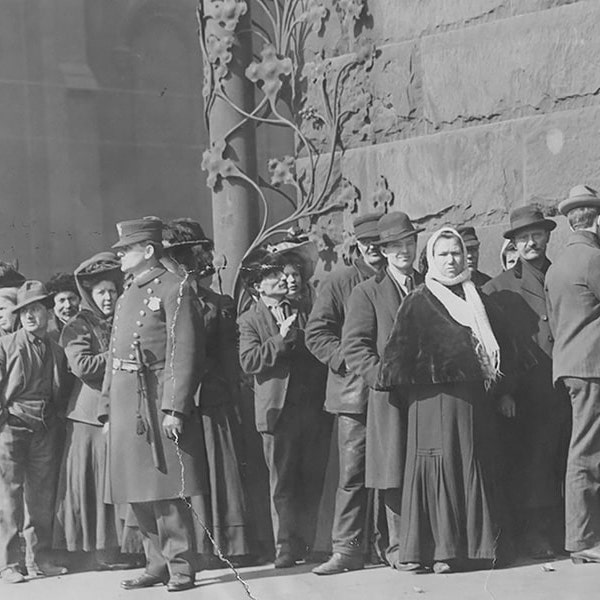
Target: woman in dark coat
447,352
83,521
189,253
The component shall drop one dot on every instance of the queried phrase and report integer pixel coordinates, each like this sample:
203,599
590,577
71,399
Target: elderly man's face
531,243
66,305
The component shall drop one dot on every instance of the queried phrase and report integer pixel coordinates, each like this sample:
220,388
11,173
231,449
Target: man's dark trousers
582,485
166,526
29,462
352,497
296,456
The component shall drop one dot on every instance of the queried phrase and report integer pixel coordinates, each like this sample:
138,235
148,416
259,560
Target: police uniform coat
538,431
346,390
371,312
159,310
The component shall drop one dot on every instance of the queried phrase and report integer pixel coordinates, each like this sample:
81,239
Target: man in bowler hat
369,319
573,298
346,398
535,423
156,457
32,380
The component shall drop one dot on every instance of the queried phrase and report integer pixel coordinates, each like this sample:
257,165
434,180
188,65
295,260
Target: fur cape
427,346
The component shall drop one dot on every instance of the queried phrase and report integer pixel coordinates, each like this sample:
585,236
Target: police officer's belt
131,366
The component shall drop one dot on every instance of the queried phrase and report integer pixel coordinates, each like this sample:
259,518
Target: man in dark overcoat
573,298
156,456
289,391
371,312
346,397
472,243
534,428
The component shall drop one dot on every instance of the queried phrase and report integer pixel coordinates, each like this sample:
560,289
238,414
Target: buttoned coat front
157,310
281,368
13,374
371,312
536,438
346,391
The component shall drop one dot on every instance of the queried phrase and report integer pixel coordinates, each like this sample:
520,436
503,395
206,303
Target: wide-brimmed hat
304,253
525,217
580,195
365,226
138,231
394,227
184,232
469,236
31,291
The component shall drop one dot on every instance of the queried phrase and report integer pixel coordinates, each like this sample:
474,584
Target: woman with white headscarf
448,351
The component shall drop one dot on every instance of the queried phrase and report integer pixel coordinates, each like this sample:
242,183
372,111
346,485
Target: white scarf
469,312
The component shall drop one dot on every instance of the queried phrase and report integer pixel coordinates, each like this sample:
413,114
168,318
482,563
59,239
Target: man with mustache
533,428
346,397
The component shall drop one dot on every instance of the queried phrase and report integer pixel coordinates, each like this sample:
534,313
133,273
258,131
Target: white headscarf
469,312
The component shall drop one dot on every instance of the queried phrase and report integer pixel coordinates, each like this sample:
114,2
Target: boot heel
579,561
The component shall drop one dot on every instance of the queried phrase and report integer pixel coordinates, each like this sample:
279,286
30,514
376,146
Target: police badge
154,303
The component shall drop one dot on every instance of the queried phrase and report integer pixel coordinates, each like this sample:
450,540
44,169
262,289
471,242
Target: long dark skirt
450,503
83,521
224,511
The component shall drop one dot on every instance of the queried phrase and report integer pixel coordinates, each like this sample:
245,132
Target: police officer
156,458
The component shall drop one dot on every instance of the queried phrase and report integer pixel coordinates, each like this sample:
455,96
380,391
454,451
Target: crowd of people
140,408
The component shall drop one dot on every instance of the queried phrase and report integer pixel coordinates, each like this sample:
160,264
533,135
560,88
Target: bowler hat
394,227
527,216
138,231
365,226
468,235
580,195
31,291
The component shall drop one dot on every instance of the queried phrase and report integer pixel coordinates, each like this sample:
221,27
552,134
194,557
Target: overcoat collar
584,237
148,276
390,291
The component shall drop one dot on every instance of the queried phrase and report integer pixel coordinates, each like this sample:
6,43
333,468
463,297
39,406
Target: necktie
286,309
409,283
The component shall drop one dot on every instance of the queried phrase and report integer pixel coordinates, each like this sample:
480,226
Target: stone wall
471,108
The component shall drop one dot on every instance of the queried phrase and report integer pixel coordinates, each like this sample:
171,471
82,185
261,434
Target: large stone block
474,175
561,150
381,100
513,67
390,21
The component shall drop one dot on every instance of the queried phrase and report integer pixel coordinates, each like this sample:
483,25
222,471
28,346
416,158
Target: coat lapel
266,318
391,296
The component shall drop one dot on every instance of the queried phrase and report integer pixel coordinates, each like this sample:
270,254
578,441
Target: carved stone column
228,50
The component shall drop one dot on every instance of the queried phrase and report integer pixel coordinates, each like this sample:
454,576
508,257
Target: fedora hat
138,231
305,253
394,227
527,216
580,195
365,226
32,291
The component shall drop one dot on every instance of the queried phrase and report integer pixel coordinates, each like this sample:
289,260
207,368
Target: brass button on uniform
131,357
157,281
149,290
138,323
550,339
145,300
142,313
136,335
544,317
